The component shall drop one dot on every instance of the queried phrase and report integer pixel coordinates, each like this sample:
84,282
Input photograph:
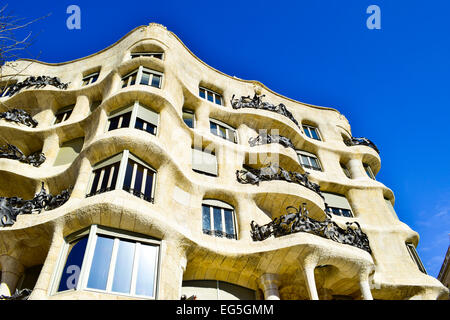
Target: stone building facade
140,172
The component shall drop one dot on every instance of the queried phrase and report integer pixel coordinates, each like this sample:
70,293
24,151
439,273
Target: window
63,114
68,151
210,96
308,160
5,91
123,172
413,253
311,132
90,78
337,204
158,55
135,116
143,76
104,260
222,130
346,171
204,162
369,171
189,118
218,219
216,290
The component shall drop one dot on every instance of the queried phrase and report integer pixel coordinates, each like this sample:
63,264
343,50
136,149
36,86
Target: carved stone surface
257,103
10,151
361,142
10,208
297,220
37,82
19,116
275,172
265,138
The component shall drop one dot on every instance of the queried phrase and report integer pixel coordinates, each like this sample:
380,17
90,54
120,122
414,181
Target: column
12,270
269,284
81,108
308,272
356,169
364,285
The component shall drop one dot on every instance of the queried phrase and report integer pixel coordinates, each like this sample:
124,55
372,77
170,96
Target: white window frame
308,156
64,111
185,110
92,232
122,158
215,95
87,80
227,130
415,256
134,55
139,71
309,128
369,171
135,109
222,206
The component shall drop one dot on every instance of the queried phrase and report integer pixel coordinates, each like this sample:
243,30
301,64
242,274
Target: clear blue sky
392,84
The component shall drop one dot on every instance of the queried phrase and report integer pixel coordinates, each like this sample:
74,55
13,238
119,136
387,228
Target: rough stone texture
187,253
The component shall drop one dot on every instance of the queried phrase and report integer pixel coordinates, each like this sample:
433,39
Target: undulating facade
140,172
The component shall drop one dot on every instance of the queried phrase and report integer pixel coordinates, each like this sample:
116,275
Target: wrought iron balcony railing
10,208
19,116
10,151
257,103
361,142
297,220
37,82
275,172
265,138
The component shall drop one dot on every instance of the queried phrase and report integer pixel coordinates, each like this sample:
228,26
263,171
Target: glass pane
206,218
124,267
158,55
188,118
222,132
231,136
229,221
210,96
314,134
336,211
115,174
150,128
218,100
113,123
314,163
213,128
202,93
306,130
156,81
217,213
148,185
145,78
304,160
139,124
128,175
346,213
138,180
95,181
105,178
145,281
126,120
72,268
98,275
133,79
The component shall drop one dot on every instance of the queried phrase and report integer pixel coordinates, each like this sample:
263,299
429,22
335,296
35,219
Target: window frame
214,94
5,91
152,54
227,130
415,257
369,171
134,108
193,150
121,158
189,111
308,156
308,132
346,170
64,111
92,233
213,203
88,79
139,71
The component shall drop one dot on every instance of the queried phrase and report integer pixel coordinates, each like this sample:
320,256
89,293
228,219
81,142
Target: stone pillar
356,169
308,272
269,284
364,285
81,108
12,270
